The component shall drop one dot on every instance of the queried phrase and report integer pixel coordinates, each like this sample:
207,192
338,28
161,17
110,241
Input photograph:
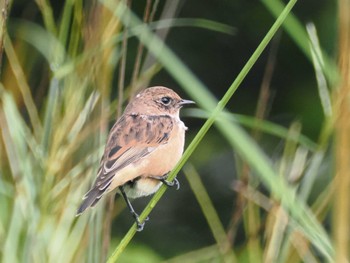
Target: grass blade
240,141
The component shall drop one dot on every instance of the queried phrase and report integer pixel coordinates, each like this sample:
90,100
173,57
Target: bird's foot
175,182
139,225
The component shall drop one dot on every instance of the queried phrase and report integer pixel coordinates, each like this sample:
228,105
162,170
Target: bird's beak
184,102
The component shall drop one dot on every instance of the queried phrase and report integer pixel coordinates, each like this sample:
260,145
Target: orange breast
158,163
166,156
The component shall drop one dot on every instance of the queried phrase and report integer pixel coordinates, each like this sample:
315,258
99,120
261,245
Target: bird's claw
139,225
171,184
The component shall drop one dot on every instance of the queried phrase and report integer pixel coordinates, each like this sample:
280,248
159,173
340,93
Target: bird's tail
90,199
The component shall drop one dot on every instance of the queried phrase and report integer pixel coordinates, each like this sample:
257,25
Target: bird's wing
132,138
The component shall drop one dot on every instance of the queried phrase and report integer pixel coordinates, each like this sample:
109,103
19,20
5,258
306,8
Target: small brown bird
143,146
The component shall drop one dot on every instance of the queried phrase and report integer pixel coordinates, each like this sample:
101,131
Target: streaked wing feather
132,138
131,155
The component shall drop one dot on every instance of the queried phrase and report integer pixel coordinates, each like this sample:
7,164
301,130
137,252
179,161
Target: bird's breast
159,163
166,156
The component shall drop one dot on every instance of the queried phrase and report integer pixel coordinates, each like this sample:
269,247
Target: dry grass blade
23,86
4,14
341,214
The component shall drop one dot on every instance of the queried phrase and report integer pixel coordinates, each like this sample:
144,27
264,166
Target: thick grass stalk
194,87
342,135
48,17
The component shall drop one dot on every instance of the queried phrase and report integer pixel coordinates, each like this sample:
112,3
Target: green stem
184,76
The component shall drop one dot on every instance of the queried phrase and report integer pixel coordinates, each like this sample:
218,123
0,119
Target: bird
142,147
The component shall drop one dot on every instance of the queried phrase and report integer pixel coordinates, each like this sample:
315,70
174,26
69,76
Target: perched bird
143,146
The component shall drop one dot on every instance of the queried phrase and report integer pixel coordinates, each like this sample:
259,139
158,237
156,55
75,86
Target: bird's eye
166,100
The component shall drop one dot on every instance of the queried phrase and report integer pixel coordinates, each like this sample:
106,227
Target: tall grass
51,144
50,151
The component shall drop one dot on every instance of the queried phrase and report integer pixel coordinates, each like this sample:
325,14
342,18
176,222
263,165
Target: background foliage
276,191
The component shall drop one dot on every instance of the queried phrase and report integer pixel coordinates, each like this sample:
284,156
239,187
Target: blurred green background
60,70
